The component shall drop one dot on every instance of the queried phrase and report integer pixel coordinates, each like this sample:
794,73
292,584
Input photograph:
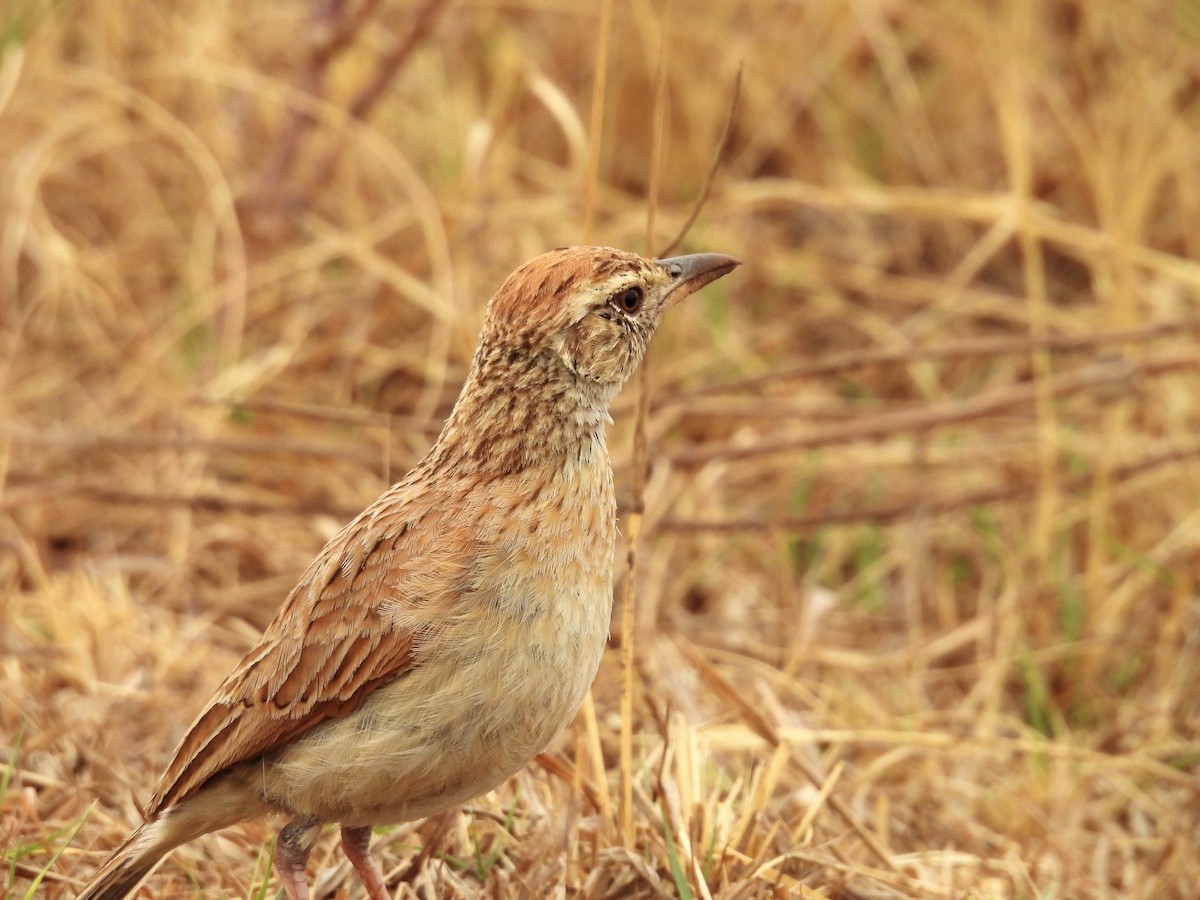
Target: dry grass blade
595,128
770,734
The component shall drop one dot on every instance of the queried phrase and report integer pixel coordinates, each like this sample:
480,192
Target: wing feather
335,639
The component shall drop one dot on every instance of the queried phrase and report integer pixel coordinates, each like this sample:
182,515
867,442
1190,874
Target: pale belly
464,720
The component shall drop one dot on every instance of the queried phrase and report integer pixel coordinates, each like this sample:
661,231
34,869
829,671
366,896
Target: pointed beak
690,273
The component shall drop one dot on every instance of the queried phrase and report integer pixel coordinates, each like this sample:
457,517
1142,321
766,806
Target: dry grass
917,582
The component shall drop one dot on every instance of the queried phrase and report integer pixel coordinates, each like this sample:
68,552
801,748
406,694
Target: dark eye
629,300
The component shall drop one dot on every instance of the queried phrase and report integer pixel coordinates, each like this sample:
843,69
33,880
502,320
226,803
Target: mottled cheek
599,350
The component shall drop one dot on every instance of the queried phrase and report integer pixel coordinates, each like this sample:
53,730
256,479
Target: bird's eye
629,300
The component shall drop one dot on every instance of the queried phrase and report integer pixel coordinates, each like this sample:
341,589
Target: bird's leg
355,842
291,856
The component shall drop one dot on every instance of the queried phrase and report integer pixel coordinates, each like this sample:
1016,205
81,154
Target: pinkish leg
292,847
355,842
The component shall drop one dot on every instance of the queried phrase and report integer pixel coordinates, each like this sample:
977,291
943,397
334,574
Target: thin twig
331,32
1109,374
937,506
854,359
322,413
21,498
718,158
327,39
424,21
78,442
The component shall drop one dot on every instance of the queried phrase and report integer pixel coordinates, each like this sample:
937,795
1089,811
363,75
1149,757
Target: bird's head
594,309
560,337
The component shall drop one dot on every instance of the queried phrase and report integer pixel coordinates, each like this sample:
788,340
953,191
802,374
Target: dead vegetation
916,581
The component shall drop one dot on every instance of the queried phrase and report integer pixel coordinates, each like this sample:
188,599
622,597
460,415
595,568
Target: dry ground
917,580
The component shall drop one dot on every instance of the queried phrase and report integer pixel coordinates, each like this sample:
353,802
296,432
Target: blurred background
916,587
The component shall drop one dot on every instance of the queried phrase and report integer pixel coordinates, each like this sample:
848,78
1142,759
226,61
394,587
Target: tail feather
129,864
224,802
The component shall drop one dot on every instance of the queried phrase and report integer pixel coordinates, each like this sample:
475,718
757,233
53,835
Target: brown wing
334,640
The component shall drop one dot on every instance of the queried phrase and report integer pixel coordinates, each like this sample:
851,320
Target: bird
442,638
